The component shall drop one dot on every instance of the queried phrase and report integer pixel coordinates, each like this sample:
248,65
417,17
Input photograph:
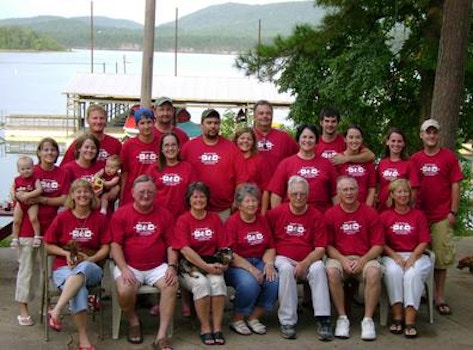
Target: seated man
300,237
356,240
141,249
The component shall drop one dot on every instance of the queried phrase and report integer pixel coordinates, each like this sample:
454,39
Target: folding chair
117,311
50,291
429,289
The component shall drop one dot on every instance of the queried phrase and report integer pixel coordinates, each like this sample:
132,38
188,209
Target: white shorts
148,277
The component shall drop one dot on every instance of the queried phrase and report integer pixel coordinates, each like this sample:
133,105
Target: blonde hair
24,159
400,183
115,158
70,203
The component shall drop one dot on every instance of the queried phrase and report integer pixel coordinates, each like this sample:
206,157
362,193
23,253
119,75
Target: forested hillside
222,28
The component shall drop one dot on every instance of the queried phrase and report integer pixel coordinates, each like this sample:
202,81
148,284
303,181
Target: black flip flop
396,326
207,338
219,339
410,331
443,309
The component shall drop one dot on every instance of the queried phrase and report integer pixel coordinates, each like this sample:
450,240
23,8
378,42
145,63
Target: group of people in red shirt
280,204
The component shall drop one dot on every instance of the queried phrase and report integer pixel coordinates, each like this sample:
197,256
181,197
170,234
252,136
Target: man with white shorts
356,240
141,249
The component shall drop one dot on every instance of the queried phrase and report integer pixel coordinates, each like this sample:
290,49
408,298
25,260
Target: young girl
107,181
25,187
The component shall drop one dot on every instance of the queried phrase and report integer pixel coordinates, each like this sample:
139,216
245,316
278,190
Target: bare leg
23,309
167,306
127,300
258,313
202,308
17,219
70,289
336,290
372,290
218,305
440,277
80,319
396,311
33,216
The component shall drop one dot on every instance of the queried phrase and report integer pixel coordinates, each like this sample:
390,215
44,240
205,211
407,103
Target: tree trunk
450,76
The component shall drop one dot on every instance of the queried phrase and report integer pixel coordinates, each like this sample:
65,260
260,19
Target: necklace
81,220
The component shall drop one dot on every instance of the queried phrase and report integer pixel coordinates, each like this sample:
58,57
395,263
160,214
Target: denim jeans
249,293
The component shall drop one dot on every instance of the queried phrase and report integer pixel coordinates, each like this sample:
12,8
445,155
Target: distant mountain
229,27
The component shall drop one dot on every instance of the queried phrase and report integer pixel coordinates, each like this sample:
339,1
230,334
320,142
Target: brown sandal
163,344
134,335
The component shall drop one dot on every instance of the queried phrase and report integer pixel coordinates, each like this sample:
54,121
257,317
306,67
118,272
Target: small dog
74,247
223,256
467,261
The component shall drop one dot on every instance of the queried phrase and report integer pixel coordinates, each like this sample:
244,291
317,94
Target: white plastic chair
429,289
117,311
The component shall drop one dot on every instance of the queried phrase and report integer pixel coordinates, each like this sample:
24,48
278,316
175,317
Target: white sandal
24,320
240,327
256,326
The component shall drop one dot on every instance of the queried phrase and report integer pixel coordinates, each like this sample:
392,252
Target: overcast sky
126,9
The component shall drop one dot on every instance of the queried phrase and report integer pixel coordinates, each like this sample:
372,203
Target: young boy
108,181
25,186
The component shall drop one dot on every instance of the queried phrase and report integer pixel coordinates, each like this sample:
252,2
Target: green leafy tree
374,60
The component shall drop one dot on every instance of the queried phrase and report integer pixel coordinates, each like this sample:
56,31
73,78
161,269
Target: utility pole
91,36
175,43
148,53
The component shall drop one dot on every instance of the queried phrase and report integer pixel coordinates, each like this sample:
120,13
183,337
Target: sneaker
368,331
325,332
342,330
288,332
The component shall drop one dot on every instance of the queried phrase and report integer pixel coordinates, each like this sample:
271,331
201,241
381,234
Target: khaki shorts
442,244
335,264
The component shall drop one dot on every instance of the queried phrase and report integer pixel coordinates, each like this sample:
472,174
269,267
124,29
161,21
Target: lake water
33,82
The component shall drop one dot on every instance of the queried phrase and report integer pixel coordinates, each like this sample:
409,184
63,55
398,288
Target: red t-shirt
388,171
24,185
254,166
109,145
363,173
137,157
295,236
203,236
91,233
249,240
436,175
354,233
55,183
319,173
181,134
404,232
328,150
144,238
172,183
76,171
220,166
273,148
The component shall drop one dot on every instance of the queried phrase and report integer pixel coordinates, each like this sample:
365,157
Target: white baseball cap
429,123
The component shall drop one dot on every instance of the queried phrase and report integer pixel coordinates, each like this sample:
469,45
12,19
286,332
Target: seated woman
252,271
198,235
85,229
407,267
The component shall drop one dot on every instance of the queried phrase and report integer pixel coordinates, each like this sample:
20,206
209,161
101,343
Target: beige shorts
335,264
442,244
201,285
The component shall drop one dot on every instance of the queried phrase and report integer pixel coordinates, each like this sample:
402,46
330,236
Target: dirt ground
454,332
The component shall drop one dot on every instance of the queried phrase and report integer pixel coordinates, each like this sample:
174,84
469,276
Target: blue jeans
249,293
92,276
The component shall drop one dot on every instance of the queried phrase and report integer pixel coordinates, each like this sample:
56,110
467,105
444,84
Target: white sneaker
368,331
342,330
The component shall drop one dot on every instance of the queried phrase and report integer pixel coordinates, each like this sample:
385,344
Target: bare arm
455,203
370,196
194,258
36,192
365,156
265,204
113,182
275,200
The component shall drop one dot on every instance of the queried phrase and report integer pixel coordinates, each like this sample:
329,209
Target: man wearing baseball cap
218,163
164,123
439,196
